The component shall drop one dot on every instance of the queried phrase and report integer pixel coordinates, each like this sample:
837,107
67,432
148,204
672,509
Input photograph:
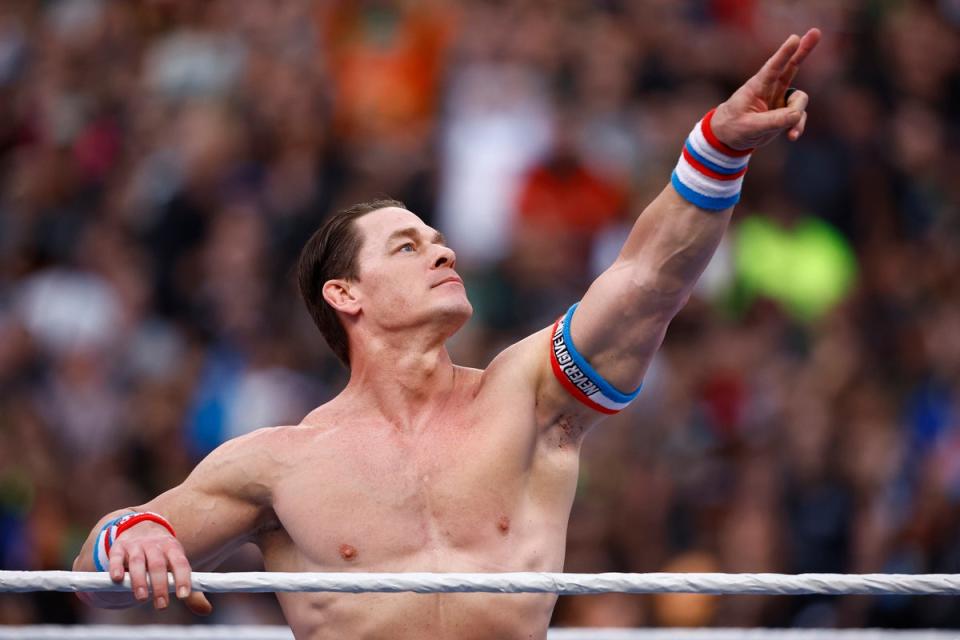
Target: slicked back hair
331,253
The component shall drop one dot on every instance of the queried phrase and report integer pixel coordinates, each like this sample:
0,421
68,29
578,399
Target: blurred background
162,162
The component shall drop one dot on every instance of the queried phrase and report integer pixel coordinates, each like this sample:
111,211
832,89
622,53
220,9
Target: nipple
503,524
348,552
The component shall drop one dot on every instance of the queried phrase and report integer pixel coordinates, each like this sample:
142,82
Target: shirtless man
421,465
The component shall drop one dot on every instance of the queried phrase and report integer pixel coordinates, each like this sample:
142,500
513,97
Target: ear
340,295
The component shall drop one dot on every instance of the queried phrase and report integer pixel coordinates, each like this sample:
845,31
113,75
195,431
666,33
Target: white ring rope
561,583
266,632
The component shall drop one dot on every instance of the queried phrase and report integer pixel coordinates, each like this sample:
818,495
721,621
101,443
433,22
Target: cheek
392,290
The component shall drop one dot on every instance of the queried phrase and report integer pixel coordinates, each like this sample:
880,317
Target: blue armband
578,377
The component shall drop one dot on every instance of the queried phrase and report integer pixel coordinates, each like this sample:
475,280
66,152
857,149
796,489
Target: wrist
709,173
719,123
114,528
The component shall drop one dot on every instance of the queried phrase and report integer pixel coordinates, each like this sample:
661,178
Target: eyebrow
414,234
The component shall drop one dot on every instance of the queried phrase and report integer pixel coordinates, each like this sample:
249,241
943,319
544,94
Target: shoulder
283,445
527,365
254,445
516,375
526,359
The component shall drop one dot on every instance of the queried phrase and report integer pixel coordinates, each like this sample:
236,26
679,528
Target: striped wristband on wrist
709,173
112,530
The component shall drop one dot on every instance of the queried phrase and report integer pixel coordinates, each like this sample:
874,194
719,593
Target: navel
348,552
503,524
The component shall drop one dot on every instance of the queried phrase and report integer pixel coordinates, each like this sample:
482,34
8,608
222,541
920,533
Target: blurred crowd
162,162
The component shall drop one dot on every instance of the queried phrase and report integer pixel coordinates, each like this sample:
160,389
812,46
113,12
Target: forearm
674,239
668,248
621,320
223,502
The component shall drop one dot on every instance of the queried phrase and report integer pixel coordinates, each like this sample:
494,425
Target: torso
481,486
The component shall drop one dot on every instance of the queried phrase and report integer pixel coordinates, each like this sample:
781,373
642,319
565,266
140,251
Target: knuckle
173,544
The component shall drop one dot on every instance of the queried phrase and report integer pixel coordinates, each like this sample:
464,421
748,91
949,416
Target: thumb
198,604
774,119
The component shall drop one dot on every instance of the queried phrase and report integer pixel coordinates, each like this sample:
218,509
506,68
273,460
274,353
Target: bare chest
374,498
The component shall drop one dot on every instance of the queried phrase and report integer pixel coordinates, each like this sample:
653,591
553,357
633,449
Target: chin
454,313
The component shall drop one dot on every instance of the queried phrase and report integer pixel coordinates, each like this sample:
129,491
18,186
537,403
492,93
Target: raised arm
221,504
621,320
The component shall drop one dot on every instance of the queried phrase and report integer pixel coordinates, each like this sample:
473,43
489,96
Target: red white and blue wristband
578,377
709,173
112,530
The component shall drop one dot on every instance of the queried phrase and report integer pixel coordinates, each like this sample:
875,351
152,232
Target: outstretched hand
758,111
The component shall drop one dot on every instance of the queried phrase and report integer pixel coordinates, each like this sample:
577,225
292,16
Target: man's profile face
407,275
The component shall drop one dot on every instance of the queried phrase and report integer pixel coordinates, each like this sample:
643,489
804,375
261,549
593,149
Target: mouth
450,280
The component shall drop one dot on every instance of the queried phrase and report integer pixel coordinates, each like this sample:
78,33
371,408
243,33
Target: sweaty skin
421,465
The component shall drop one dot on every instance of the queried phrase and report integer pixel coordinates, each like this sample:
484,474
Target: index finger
773,68
808,43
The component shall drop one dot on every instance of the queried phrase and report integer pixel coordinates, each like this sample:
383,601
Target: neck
401,376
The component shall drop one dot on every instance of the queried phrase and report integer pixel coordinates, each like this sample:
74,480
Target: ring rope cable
270,632
529,582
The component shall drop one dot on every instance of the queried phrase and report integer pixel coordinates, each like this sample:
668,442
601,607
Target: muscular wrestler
421,465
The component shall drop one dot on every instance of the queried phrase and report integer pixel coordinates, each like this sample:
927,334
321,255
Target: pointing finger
773,69
807,44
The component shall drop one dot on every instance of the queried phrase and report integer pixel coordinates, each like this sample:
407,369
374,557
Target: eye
407,247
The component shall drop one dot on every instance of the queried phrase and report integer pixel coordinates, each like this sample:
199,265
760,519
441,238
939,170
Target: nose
446,257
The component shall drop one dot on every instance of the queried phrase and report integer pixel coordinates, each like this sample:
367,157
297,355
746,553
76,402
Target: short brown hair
331,252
